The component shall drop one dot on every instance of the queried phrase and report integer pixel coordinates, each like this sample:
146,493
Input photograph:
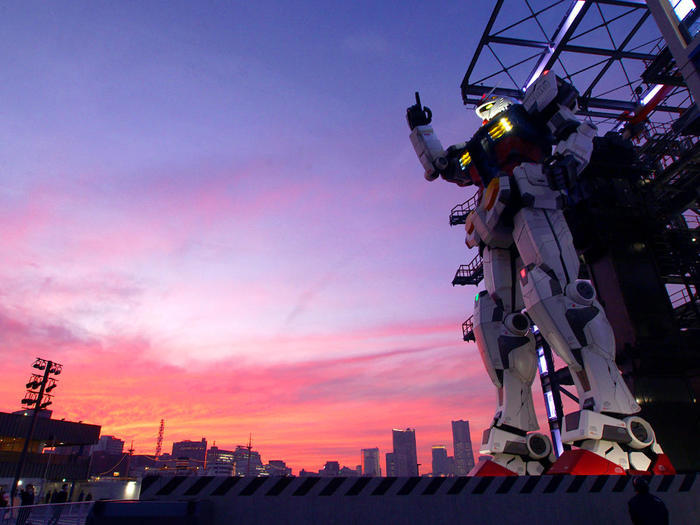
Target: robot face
492,106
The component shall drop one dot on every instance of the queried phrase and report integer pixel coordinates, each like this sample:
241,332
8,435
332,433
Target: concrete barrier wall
511,500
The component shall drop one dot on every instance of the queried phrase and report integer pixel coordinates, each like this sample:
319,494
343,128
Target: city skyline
214,216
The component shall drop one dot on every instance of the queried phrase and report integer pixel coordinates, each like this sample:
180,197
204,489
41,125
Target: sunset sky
211,213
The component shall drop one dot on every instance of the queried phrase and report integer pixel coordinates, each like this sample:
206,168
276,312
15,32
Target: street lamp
36,398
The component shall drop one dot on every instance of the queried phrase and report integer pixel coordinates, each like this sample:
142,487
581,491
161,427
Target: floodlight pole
30,433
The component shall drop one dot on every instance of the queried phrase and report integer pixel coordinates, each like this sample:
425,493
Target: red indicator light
523,273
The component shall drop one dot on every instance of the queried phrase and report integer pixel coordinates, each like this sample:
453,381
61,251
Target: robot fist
561,171
417,115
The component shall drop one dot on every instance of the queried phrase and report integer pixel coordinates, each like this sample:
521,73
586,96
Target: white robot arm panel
554,101
429,150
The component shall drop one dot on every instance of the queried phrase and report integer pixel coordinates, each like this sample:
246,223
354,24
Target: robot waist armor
491,221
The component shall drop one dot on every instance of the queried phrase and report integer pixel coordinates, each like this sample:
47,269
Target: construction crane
159,442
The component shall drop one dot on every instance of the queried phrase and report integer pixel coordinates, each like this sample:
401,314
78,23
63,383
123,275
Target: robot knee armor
517,323
538,445
640,432
581,291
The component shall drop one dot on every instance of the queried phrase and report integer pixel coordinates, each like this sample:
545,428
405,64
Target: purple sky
216,207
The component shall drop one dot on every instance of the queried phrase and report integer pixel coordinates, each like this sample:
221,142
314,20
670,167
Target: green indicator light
476,299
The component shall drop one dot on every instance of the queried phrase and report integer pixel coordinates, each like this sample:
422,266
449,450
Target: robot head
492,106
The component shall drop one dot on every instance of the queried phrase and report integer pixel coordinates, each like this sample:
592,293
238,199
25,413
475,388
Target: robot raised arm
435,160
554,101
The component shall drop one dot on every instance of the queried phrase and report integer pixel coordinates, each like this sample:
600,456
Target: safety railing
470,273
458,214
74,513
468,329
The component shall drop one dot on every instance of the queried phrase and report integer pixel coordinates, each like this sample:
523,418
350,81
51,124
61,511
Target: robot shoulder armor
540,93
548,93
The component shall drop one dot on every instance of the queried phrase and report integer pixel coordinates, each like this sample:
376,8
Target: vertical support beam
550,391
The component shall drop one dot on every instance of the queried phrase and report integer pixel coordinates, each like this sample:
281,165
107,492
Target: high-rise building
405,455
391,465
220,462
451,465
195,450
109,445
441,464
462,442
370,462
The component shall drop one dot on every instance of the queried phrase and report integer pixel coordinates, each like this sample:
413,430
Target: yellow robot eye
465,160
500,128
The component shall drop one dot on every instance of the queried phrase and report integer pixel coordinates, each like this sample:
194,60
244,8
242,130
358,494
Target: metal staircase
468,329
458,214
471,273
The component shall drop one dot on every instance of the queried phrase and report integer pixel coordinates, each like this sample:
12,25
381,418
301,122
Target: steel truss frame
585,49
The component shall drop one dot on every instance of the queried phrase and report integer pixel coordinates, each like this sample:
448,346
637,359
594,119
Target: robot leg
507,349
574,324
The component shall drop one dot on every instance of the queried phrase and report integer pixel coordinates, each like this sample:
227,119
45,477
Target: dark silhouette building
462,446
405,457
370,462
247,463
441,463
196,450
391,465
330,469
72,441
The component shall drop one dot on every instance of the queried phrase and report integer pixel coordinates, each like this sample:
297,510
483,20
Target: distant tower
159,443
464,456
405,457
370,462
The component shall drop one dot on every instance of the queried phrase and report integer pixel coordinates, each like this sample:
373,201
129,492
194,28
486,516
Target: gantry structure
638,230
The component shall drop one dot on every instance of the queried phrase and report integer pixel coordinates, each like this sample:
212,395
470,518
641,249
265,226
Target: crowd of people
27,498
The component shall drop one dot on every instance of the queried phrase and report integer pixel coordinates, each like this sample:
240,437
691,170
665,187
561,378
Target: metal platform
468,329
458,214
471,273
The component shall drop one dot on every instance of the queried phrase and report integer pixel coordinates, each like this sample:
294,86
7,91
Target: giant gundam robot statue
524,159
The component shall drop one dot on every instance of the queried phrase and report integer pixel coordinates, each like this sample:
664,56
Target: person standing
26,498
645,508
58,500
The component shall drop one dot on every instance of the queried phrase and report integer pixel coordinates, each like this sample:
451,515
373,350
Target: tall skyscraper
441,465
462,441
370,462
405,455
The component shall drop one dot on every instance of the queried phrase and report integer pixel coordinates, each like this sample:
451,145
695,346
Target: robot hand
417,115
426,145
561,171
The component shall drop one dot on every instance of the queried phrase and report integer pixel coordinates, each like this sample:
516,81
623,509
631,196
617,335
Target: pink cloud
304,412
